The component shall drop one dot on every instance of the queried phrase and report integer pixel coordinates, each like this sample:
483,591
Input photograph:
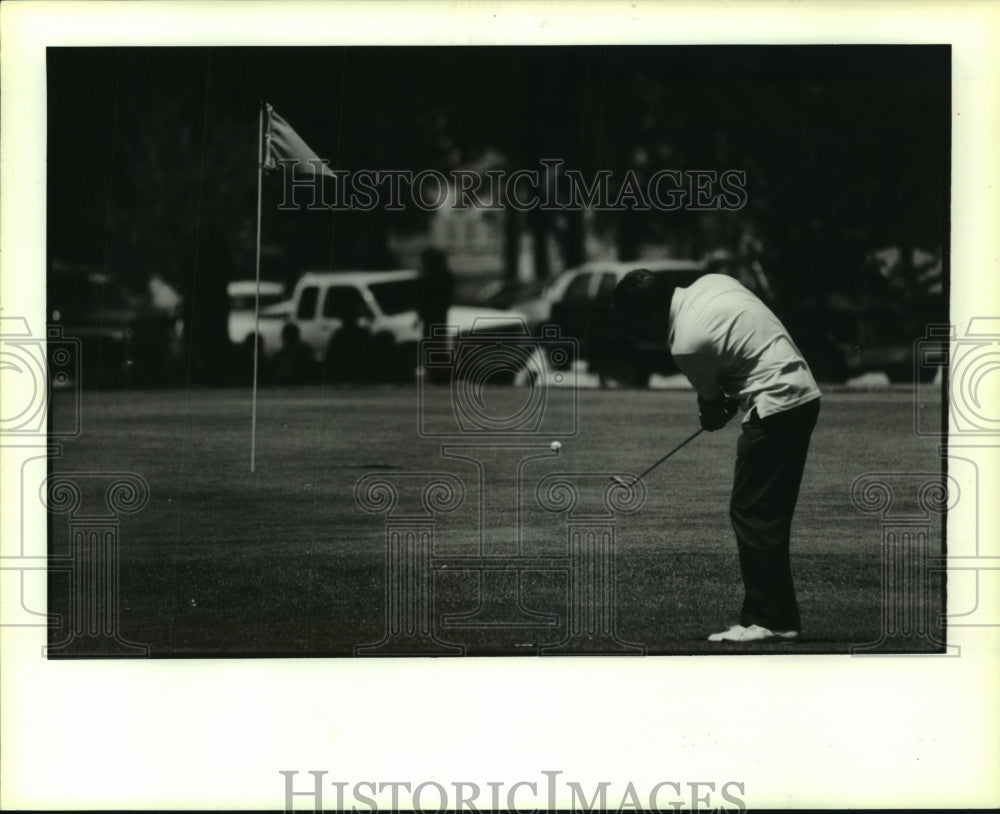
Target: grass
284,562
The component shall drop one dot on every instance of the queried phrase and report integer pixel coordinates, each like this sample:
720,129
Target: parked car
533,299
331,307
579,302
242,305
125,339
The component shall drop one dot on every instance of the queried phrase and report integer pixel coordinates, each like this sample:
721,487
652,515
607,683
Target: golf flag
277,141
282,142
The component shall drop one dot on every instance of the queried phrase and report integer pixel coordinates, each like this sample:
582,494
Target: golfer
737,354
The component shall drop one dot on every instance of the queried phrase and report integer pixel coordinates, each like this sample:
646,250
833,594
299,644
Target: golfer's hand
715,414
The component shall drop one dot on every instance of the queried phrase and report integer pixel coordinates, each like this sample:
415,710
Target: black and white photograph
432,367
423,434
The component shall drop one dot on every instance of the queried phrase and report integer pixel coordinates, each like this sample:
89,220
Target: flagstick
256,303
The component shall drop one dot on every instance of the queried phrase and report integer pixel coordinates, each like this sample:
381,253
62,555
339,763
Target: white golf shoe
754,633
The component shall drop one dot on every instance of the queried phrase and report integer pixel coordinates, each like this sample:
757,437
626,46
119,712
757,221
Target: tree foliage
152,152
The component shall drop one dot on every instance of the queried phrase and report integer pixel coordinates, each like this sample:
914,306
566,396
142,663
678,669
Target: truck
382,304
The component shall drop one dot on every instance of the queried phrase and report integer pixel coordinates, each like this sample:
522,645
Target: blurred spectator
293,364
436,289
348,357
206,311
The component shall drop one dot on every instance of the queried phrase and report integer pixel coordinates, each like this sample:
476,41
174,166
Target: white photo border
818,731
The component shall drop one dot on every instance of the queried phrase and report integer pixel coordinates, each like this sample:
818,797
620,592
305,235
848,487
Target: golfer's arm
702,372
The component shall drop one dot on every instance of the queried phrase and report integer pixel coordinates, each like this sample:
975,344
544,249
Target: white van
383,303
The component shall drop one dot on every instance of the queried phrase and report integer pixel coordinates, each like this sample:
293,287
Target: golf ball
555,446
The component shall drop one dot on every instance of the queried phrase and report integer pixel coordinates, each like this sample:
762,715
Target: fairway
287,561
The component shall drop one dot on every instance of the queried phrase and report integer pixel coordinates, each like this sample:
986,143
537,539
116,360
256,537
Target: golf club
622,482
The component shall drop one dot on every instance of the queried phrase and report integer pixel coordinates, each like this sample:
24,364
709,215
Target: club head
624,483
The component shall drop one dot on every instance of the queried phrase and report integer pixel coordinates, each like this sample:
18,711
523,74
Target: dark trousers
770,459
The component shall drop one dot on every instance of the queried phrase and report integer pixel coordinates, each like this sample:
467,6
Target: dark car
583,310
125,339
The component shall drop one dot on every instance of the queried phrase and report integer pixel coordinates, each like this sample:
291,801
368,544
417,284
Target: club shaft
683,443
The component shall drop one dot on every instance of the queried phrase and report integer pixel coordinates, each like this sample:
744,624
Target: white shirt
723,338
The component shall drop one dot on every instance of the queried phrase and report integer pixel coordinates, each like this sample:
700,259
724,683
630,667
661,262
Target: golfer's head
642,302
